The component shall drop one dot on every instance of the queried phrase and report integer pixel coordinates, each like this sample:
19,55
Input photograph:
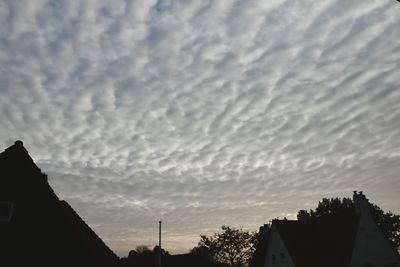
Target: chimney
18,143
303,216
361,203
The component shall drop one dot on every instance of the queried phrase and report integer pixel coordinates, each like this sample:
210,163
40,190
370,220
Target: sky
203,113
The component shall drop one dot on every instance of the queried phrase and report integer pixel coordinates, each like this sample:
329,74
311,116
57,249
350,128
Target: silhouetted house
258,258
192,260
150,259
38,229
335,240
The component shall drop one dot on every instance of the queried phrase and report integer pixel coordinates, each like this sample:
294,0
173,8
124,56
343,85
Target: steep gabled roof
259,255
45,229
84,236
325,241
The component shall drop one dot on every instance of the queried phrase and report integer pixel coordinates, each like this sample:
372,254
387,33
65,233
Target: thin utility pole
159,244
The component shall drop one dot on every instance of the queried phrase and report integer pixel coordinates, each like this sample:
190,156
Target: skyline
202,114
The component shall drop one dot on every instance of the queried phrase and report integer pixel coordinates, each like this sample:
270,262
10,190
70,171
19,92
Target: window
273,258
368,264
282,256
6,208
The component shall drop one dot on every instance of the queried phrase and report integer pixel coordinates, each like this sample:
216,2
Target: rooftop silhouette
38,228
346,237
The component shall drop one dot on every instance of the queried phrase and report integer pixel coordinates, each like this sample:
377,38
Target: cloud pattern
202,113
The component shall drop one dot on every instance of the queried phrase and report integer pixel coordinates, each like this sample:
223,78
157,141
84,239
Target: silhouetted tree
388,222
143,256
333,205
163,251
142,249
232,246
203,252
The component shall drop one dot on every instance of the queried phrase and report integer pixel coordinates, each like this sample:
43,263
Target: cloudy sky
203,113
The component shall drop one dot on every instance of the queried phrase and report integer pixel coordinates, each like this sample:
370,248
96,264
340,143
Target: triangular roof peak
330,237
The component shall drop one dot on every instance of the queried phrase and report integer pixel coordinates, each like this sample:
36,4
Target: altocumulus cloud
202,113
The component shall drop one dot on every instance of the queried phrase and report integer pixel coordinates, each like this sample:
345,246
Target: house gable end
277,253
371,248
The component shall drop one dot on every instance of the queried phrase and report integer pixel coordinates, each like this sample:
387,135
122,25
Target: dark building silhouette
258,258
329,239
192,260
150,259
38,229
347,239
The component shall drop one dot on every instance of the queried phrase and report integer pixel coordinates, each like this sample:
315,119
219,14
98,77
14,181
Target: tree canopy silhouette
231,246
141,249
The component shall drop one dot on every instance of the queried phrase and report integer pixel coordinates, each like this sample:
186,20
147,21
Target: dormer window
6,209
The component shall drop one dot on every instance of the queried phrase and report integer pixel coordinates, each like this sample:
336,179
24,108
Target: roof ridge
67,205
